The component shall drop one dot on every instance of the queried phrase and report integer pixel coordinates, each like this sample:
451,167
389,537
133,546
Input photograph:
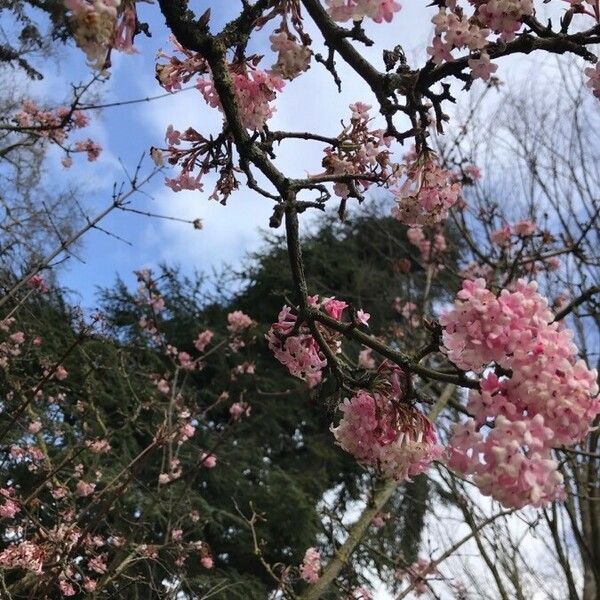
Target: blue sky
310,102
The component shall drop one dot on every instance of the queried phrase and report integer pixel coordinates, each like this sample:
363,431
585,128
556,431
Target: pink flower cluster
11,346
255,90
52,124
94,24
294,345
37,283
176,72
416,574
238,410
91,148
547,398
25,555
293,57
512,463
9,507
311,565
506,234
453,29
381,429
148,293
359,150
204,338
125,33
593,82
427,194
430,245
503,16
56,125
238,321
355,10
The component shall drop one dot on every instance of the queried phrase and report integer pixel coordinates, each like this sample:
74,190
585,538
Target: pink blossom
83,488
91,148
311,565
238,321
123,40
379,520
293,58
207,562
416,573
482,67
97,564
37,282
382,430
203,340
363,317
61,373
431,246
25,555
593,82
66,588
427,194
9,508
300,353
365,360
238,410
208,460
255,91
378,10
365,151
99,446
94,27
34,427
549,398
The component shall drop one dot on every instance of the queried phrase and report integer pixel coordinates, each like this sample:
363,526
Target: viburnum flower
431,243
208,460
238,410
512,463
84,488
363,317
204,338
91,148
365,360
293,58
255,91
381,429
311,565
503,16
593,82
416,574
355,10
359,150
94,25
9,508
37,282
238,321
482,67
482,328
296,348
427,194
549,397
